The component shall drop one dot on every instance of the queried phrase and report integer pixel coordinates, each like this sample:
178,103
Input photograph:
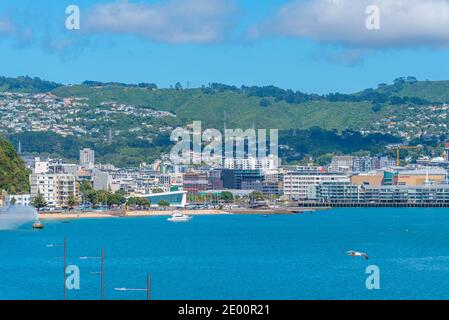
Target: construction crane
398,152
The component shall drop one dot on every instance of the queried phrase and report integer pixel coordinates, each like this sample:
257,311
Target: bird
357,254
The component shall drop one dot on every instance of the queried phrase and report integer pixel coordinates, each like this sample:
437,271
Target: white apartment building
87,157
269,163
131,181
55,188
296,184
18,200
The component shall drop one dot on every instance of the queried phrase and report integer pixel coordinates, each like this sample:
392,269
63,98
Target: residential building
55,188
18,200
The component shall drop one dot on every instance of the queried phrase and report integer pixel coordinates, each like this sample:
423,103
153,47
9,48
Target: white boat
179,217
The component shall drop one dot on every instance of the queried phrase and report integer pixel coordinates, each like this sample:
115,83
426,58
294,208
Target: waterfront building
334,191
345,193
175,198
55,188
296,184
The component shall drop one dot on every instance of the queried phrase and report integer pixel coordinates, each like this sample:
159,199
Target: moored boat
179,217
38,225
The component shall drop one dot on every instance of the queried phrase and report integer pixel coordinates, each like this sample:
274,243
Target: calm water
237,257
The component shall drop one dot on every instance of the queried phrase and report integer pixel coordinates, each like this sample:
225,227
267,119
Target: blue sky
309,45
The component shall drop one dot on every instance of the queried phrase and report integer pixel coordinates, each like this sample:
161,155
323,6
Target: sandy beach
120,214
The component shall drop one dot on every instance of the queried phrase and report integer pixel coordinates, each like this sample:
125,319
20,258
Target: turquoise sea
236,256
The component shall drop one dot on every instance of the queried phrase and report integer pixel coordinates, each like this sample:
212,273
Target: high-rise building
87,157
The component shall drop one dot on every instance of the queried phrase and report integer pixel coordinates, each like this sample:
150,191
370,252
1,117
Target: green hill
405,111
13,174
26,85
269,106
436,91
236,106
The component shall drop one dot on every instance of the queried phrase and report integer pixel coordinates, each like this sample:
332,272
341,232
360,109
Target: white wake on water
13,217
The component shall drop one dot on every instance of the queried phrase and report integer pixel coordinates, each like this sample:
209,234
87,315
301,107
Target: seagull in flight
357,254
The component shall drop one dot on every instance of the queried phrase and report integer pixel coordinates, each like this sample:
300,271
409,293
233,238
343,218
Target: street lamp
148,289
65,261
101,272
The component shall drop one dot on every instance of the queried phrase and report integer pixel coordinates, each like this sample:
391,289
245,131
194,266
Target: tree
38,201
376,107
164,203
132,201
256,196
85,187
115,199
119,197
102,197
264,103
143,202
72,201
227,196
157,190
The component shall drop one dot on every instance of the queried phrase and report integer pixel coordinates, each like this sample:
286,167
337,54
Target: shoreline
159,213
122,214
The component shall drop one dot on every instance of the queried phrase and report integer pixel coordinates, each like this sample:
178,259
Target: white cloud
175,21
403,23
6,27
10,30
